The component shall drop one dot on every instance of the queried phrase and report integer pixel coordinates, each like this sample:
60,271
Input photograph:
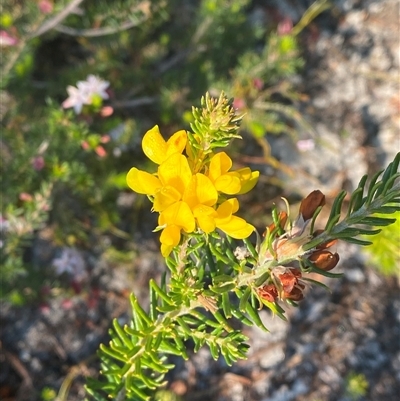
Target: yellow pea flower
175,218
248,179
234,226
168,186
185,198
194,210
157,149
230,182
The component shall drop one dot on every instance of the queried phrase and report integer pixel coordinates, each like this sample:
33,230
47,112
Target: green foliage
356,386
48,394
368,207
384,251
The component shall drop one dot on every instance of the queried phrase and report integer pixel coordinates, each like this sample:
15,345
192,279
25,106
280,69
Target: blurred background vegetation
63,174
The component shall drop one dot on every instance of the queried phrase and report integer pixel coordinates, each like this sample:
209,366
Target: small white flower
95,86
77,98
84,91
71,262
305,145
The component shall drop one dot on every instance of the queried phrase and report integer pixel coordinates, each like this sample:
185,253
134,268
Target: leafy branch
379,196
211,282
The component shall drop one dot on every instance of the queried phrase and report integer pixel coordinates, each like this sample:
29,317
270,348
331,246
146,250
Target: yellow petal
219,164
171,236
248,179
228,183
178,214
165,197
175,171
154,145
205,217
176,143
142,182
226,209
200,191
166,250
236,228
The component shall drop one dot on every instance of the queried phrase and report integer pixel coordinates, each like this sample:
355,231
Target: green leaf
226,305
139,310
331,223
357,241
244,298
256,317
121,334
112,353
377,221
241,317
214,350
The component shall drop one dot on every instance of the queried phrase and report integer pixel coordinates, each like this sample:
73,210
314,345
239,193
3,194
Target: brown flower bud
289,279
310,204
268,292
296,294
292,288
324,259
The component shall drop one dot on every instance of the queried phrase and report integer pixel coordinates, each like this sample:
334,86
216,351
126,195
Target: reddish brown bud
268,292
292,288
311,203
296,294
289,279
324,259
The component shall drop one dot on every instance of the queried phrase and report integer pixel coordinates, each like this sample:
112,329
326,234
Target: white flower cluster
84,91
70,261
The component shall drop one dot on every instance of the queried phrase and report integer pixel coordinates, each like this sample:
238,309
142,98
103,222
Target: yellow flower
234,226
174,219
180,216
168,186
187,201
230,182
157,149
191,210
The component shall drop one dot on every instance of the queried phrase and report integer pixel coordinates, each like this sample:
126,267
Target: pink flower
67,303
45,6
285,26
101,152
106,111
38,163
25,197
7,40
105,138
239,103
258,83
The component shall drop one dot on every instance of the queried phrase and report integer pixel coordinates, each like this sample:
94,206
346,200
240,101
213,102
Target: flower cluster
86,93
190,193
286,282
